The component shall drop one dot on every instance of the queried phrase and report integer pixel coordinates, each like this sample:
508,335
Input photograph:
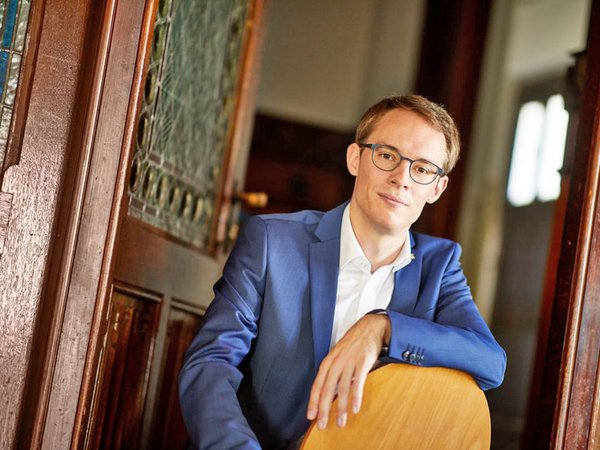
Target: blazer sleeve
210,377
457,338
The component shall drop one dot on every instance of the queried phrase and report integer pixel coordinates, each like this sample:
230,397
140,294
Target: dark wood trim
48,328
141,246
85,417
135,291
199,311
82,240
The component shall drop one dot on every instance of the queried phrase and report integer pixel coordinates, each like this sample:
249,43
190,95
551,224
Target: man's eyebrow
419,158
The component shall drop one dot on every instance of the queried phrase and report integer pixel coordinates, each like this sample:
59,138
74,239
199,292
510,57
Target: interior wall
544,35
325,62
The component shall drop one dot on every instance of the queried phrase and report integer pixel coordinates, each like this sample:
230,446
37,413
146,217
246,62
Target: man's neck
380,248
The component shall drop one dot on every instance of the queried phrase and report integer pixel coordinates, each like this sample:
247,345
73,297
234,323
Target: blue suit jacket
247,374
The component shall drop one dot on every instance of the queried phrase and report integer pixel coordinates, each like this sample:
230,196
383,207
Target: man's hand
345,368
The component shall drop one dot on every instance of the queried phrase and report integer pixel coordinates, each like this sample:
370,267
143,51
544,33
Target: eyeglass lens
422,172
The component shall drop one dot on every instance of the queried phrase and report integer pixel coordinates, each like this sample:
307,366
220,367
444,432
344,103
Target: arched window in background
538,152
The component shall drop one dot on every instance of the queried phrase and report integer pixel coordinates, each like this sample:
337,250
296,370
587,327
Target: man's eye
423,169
387,155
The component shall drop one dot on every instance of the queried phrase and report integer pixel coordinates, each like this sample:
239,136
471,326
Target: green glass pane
2,9
4,129
189,99
22,25
13,79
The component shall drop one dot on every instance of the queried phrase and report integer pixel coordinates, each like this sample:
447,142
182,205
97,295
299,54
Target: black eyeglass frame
439,171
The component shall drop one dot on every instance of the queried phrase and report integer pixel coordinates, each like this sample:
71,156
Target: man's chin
391,228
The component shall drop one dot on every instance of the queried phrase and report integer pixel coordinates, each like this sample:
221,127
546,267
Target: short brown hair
433,113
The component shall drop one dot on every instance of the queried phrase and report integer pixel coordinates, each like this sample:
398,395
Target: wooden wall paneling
148,258
33,174
133,323
295,186
452,49
173,270
299,166
168,429
570,377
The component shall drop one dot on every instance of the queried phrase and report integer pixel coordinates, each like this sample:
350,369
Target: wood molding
60,67
86,221
240,132
83,426
58,285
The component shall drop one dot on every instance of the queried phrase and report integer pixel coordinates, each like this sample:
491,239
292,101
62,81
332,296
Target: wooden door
189,127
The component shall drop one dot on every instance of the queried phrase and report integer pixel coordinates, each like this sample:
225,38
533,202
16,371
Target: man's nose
401,174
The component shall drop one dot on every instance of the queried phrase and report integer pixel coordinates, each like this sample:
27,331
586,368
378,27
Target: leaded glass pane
189,99
14,17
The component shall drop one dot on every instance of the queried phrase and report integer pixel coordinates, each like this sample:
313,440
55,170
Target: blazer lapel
406,284
324,270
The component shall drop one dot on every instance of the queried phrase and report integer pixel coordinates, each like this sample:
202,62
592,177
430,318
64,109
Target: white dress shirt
360,291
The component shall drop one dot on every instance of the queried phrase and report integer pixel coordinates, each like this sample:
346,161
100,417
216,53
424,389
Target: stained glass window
189,99
14,15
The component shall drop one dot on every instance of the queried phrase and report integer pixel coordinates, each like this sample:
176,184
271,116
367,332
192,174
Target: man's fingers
342,397
357,389
328,391
315,391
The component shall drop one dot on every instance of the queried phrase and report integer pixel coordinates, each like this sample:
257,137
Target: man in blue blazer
309,301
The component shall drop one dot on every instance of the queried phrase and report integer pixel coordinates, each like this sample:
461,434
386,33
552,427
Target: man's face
388,203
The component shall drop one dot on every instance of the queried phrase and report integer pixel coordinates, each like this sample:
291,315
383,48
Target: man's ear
440,187
353,158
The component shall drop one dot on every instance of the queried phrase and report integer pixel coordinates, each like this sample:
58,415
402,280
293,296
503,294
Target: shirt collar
351,249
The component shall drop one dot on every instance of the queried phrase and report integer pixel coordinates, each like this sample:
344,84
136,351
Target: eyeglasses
386,157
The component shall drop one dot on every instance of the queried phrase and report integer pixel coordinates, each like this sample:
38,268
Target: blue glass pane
3,70
9,24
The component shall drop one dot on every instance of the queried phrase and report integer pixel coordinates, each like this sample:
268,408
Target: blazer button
406,355
412,358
